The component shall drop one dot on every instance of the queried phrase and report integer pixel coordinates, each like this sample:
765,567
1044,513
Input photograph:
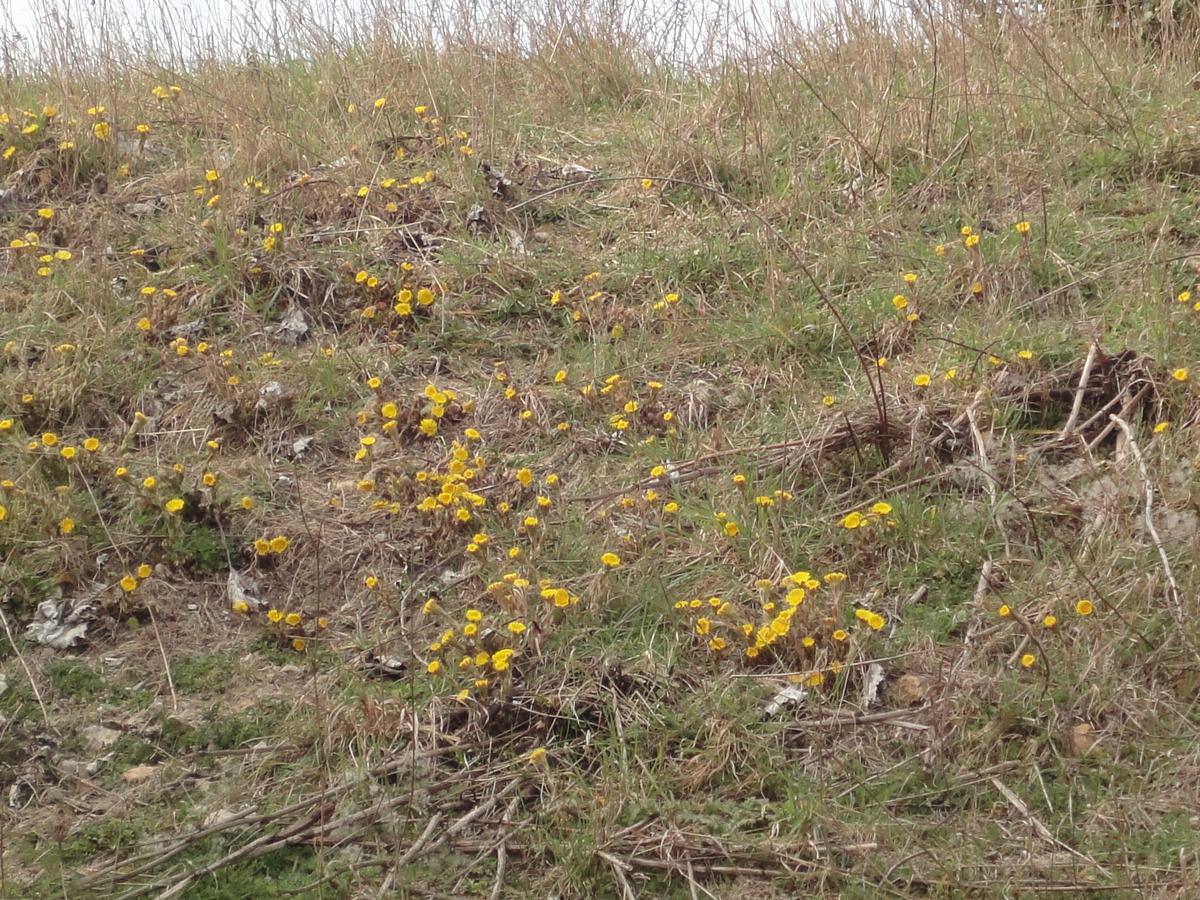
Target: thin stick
1069,427
1129,407
619,866
21,659
502,850
1174,598
163,653
985,463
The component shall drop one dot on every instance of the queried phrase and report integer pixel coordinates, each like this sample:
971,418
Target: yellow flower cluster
722,623
877,513
477,649
268,546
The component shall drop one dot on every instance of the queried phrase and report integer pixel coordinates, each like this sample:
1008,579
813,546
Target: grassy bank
477,467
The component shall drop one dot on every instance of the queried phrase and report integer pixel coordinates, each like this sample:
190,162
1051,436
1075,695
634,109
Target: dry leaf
1085,740
138,774
872,685
911,689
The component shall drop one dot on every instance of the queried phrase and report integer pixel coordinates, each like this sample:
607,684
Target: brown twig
37,694
1077,405
1174,597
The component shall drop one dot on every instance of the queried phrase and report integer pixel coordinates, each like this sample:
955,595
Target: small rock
74,767
97,737
271,396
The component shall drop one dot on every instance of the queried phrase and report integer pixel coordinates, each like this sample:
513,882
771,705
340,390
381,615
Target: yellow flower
174,505
247,503
128,583
298,644
881,509
1050,621
91,445
144,571
731,529
1161,427
46,213
49,438
1180,374
854,520
68,452
840,635
67,525
537,756
1004,610
279,544
611,560
101,130
1084,607
899,301
921,380
1022,227
1028,660
274,615
292,619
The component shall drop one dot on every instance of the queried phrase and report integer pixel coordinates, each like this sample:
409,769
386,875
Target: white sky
170,30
